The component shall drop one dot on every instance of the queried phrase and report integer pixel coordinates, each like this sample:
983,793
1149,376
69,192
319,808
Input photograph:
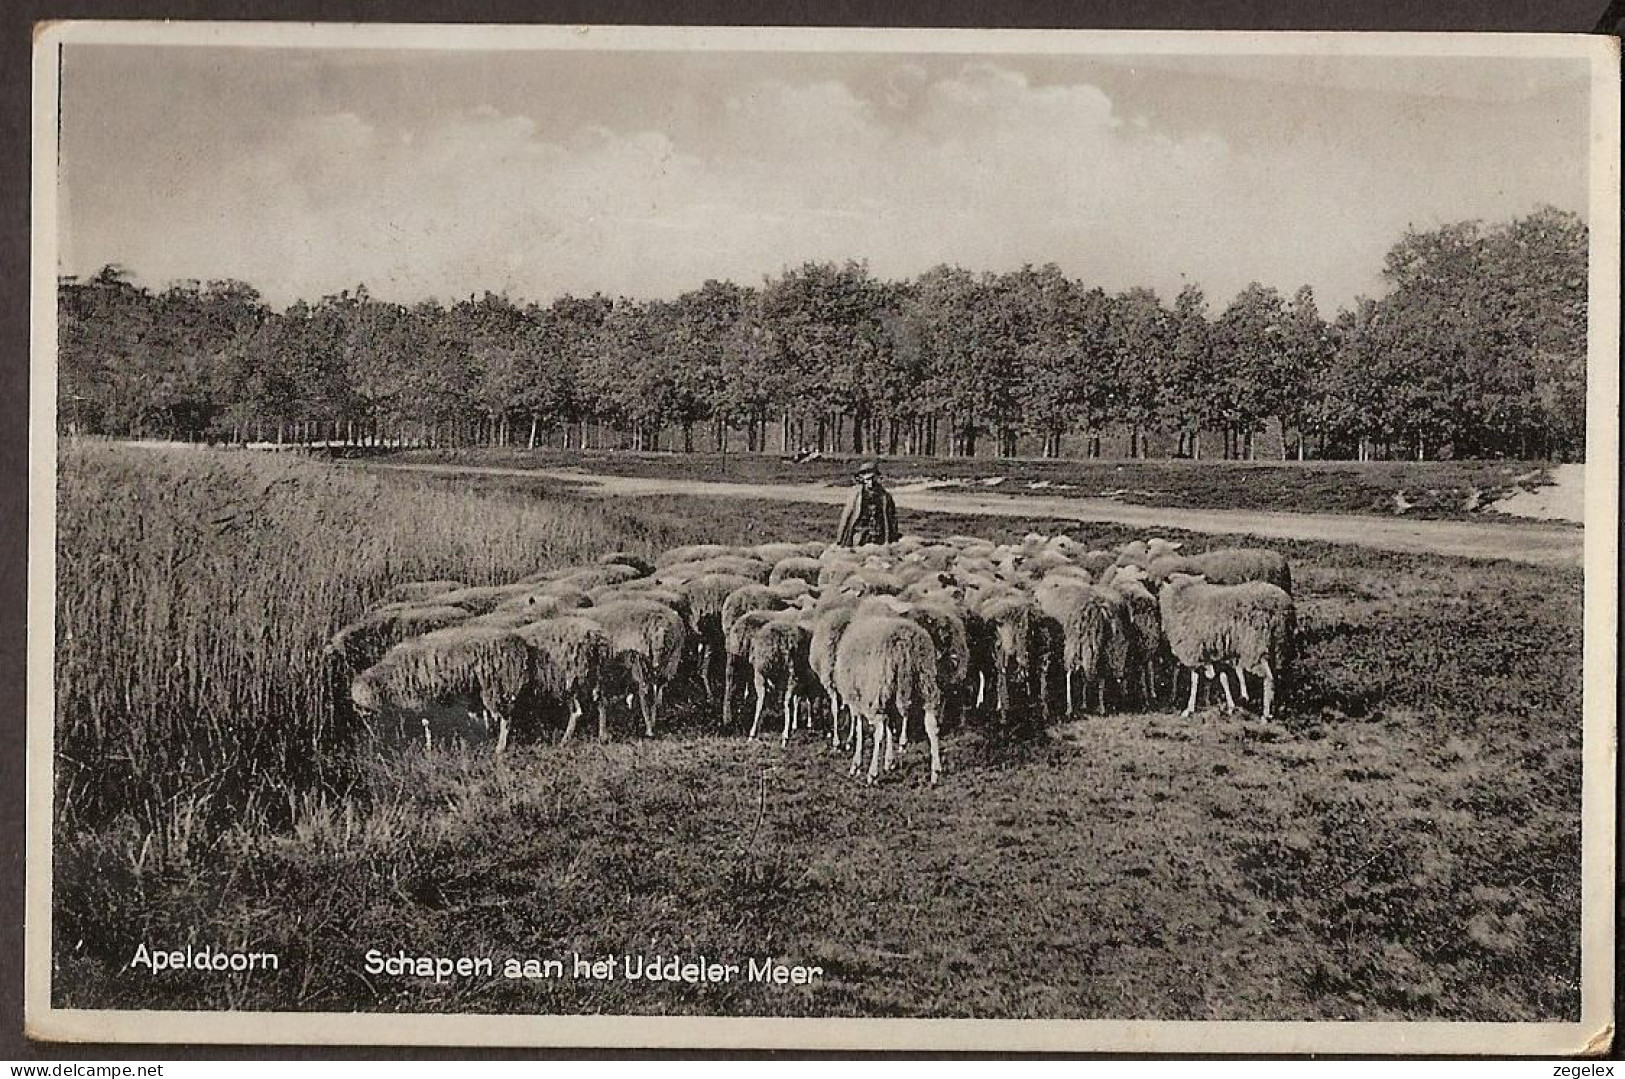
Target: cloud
981,165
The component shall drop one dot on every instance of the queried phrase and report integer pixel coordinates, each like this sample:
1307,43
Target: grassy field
1432,489
1403,842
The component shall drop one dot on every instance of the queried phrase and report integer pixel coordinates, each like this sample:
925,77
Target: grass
1432,489
195,592
1403,843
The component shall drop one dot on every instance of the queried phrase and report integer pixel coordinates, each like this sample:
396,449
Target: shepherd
871,515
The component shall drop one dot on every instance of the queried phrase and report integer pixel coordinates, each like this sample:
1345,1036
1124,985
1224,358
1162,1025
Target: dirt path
1536,544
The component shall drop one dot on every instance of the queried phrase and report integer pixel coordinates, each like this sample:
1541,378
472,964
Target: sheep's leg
879,734
705,671
428,739
858,723
1196,680
1070,710
646,703
981,687
727,692
891,760
902,737
761,698
936,750
1229,701
1269,689
834,722
603,715
502,731
789,715
1241,681
576,711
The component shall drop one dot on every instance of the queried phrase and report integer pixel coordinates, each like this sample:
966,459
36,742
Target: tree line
1477,348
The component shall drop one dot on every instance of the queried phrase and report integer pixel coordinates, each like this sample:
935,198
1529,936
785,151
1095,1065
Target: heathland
1402,841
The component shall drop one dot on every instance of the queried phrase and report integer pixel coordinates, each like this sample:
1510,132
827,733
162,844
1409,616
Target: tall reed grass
195,590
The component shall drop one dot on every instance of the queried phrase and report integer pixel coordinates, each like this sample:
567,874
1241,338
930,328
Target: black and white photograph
766,538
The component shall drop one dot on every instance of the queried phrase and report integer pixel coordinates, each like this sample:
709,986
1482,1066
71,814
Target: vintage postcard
763,538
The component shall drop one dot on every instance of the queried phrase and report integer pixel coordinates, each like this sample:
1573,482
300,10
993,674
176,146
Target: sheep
796,567
648,639
485,663
418,591
792,588
867,581
778,653
1020,643
363,642
1143,552
705,595
1149,645
585,580
695,552
481,600
570,656
751,597
1097,562
753,568
544,600
1248,625
828,624
1227,565
886,666
736,650
939,616
773,553
644,567
1083,632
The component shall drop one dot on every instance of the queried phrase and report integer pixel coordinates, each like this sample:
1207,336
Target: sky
445,174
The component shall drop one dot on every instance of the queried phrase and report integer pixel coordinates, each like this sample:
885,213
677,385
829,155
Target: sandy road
1549,545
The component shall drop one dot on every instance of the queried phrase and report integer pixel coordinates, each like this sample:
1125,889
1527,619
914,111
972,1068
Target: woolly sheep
885,667
544,600
705,595
1227,565
1097,562
828,624
1095,636
570,655
485,663
753,568
363,642
695,552
648,639
418,591
1021,644
792,588
736,650
796,567
1248,626
1144,552
644,567
773,553
483,599
751,597
585,580
778,654
1148,644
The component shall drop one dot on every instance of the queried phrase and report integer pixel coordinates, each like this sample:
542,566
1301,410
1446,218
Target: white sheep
363,642
778,655
648,639
1248,626
887,667
570,656
488,664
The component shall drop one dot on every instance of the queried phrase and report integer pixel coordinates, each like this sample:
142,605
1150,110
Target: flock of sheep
881,635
